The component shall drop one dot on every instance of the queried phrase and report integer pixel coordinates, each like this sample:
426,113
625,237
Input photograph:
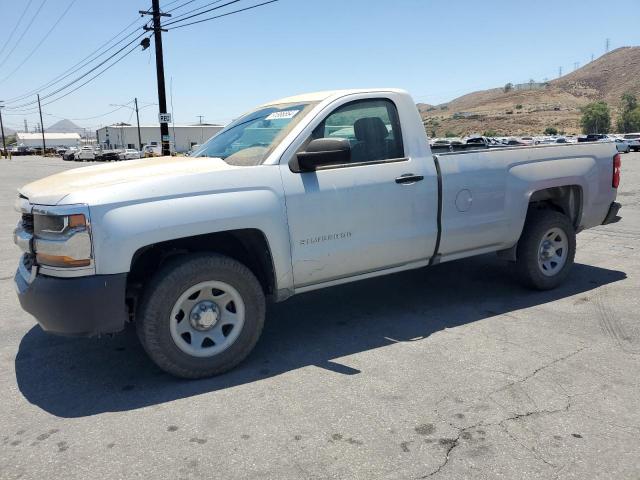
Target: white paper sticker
284,114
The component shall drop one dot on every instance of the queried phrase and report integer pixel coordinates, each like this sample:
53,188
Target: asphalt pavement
449,372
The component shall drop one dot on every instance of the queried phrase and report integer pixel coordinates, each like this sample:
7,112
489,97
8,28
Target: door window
372,127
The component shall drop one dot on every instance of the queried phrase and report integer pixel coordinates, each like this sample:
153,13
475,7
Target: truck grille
27,222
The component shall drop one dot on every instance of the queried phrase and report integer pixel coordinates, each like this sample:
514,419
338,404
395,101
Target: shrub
550,131
596,118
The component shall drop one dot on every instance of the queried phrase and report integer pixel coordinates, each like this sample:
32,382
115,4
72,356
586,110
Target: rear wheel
202,314
546,249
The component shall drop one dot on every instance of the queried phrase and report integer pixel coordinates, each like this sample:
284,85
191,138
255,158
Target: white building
182,136
51,139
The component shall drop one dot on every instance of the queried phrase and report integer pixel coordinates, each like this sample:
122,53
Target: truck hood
53,189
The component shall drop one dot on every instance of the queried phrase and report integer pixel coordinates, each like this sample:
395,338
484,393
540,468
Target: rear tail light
617,164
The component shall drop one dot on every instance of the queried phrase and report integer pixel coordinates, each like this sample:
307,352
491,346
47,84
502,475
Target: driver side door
359,217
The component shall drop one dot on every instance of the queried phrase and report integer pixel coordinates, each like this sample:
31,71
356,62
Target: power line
90,79
171,3
24,32
182,15
223,15
201,13
40,42
15,27
81,64
94,77
179,6
50,94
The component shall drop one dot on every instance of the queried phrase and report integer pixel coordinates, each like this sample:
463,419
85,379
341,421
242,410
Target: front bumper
81,306
612,214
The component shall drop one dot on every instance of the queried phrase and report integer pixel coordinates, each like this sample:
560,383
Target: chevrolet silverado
298,194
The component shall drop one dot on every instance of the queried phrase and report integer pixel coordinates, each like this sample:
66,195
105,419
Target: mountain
532,108
65,126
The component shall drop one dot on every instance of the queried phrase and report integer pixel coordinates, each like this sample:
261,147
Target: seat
371,134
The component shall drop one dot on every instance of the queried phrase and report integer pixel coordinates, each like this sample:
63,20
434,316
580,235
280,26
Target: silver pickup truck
299,194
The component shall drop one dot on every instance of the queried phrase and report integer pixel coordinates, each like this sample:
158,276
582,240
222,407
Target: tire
158,326
553,232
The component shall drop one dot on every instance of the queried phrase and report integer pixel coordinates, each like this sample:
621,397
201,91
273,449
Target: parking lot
449,372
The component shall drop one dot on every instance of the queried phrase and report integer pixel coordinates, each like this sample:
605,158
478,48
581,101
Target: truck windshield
250,139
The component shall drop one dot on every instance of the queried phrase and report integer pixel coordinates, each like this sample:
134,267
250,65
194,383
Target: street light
137,117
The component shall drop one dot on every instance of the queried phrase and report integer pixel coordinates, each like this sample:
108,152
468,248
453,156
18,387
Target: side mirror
324,151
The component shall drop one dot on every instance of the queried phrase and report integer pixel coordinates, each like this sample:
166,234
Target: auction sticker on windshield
284,114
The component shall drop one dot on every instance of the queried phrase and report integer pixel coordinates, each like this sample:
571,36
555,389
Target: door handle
408,178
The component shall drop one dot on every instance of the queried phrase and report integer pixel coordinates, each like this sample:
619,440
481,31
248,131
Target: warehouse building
51,139
183,137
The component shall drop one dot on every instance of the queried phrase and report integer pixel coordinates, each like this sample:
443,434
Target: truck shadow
81,377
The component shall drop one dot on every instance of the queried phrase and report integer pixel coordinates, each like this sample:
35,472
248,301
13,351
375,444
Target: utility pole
44,145
607,44
200,117
162,97
26,127
138,119
4,142
559,72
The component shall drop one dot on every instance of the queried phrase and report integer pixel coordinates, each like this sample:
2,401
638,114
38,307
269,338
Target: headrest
370,129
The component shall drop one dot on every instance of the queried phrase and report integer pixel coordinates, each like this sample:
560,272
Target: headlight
62,240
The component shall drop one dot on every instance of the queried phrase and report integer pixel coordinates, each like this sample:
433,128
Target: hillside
558,105
65,126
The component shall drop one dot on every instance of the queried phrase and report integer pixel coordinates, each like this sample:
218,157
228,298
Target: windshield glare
250,139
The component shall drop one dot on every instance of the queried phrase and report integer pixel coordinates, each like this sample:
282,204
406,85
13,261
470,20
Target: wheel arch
249,246
566,199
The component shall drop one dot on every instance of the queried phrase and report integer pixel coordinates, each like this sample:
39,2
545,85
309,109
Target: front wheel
546,249
201,315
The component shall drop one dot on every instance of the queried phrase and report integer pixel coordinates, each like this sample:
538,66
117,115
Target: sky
437,50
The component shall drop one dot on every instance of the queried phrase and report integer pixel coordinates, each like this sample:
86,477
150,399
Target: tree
508,87
629,120
596,118
629,102
550,131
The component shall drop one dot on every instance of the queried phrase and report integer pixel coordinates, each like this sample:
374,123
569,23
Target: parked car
633,139
152,150
20,150
129,154
526,140
190,250
70,153
155,150
86,153
622,145
109,155
593,137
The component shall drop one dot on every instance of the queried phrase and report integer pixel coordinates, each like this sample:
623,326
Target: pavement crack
538,370
454,442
